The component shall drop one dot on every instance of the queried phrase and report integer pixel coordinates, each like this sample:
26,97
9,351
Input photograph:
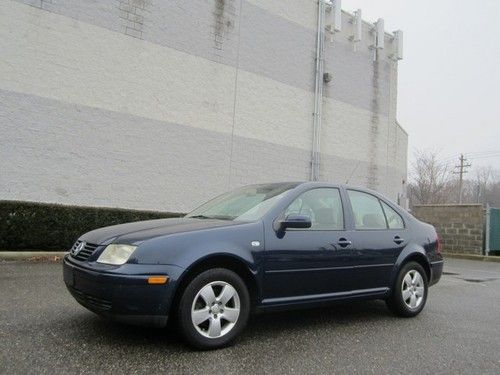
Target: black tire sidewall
396,302
187,329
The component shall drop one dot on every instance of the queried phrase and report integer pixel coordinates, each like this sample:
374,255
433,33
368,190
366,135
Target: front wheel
409,294
214,309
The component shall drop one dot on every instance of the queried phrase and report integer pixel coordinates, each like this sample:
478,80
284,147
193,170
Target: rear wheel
214,309
409,294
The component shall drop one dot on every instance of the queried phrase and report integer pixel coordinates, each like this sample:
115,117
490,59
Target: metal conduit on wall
318,92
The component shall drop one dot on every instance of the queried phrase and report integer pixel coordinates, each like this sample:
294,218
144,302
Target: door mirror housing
296,221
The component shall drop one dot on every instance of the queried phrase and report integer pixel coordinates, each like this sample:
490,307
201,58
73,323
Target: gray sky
449,79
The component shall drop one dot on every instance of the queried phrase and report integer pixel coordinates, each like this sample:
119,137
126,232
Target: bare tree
489,182
492,194
429,179
432,182
483,177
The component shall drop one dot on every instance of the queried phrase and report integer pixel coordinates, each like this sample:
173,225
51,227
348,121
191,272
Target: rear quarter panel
422,245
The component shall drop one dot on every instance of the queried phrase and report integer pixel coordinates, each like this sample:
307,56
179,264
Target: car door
378,237
305,263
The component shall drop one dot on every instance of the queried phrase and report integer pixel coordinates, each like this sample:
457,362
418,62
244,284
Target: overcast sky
449,79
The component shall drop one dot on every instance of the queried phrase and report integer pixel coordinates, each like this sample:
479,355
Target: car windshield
248,203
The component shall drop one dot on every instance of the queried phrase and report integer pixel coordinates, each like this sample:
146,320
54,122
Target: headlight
116,254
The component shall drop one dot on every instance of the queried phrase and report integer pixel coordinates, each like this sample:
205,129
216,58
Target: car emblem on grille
79,248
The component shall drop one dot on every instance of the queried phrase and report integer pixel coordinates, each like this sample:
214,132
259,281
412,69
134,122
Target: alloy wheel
412,289
215,310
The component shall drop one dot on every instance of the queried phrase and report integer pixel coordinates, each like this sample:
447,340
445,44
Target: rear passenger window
368,213
393,219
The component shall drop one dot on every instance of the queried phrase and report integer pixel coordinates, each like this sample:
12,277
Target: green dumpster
494,240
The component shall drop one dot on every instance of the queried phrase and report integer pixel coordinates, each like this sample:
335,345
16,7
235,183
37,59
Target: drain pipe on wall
318,91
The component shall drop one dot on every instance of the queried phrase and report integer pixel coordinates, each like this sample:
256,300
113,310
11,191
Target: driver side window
323,206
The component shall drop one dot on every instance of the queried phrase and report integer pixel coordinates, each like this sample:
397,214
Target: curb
481,258
32,255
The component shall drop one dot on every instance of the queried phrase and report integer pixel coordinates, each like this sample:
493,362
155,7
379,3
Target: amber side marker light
157,280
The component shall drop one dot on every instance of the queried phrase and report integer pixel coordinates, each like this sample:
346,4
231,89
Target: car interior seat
373,221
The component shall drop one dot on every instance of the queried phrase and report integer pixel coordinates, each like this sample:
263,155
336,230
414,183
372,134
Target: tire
219,301
409,294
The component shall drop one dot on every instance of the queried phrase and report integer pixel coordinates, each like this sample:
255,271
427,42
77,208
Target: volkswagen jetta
259,247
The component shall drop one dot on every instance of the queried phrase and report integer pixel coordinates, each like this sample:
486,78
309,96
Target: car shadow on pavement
261,325
338,314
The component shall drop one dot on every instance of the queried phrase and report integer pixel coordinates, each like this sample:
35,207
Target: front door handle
343,242
398,240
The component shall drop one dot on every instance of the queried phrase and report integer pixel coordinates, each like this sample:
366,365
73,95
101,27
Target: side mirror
296,221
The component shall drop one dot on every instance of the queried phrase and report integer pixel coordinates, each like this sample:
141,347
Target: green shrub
44,226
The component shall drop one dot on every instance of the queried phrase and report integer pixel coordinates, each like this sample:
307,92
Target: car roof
313,184
333,184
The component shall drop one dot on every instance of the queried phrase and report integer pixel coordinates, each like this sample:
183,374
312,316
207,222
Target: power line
448,162
486,156
482,152
473,155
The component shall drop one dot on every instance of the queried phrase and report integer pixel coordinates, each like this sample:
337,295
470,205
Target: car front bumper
122,293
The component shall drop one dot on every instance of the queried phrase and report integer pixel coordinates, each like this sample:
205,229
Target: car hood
137,232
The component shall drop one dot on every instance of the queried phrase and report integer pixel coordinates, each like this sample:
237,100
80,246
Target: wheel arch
408,255
223,260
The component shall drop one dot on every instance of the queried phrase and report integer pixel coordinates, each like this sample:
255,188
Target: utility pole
462,169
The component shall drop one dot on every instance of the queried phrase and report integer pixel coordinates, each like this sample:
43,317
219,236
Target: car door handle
342,242
398,240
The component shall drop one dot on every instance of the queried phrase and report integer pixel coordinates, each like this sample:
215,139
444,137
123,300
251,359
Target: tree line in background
434,181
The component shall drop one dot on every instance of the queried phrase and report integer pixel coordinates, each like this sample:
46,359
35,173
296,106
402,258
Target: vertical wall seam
373,167
389,125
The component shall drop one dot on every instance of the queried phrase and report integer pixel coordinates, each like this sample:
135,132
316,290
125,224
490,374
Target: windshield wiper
222,217
217,217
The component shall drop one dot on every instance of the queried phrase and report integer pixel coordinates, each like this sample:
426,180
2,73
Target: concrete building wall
162,104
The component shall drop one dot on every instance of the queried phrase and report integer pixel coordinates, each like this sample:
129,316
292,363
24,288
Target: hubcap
215,309
413,289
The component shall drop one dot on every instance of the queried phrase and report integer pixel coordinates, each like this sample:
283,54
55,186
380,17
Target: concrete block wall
162,104
460,227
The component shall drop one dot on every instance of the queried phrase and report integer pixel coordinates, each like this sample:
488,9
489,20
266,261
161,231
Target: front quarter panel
184,249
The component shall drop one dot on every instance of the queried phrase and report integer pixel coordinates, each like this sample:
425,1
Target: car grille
89,301
85,253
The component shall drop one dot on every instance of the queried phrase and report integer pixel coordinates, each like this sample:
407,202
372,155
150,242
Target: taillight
438,247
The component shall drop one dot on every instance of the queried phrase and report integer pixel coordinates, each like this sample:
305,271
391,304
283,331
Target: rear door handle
343,242
398,240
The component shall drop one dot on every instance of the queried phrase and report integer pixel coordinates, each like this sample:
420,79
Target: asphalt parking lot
43,330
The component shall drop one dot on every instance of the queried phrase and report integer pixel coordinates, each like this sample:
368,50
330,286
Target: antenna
337,15
352,172
380,33
398,40
335,21
358,26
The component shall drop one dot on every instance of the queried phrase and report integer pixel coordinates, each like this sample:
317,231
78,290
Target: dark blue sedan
259,247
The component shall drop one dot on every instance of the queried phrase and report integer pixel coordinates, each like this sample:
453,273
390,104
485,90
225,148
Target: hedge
44,226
